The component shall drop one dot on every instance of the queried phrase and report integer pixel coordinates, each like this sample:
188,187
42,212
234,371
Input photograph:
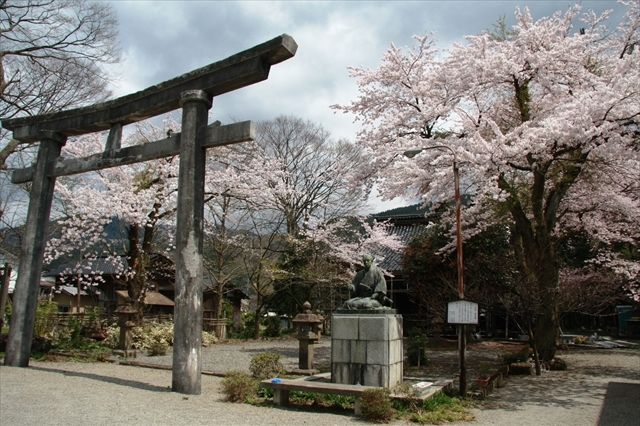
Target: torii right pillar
187,344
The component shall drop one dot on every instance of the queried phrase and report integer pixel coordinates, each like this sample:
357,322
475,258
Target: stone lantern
126,320
308,325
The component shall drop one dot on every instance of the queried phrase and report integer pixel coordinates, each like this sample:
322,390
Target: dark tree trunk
136,283
218,303
546,331
546,274
256,325
539,269
541,275
535,212
534,346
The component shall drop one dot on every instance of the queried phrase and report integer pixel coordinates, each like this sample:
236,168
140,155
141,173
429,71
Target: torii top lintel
239,70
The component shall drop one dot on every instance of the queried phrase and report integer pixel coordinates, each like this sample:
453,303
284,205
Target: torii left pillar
187,343
25,296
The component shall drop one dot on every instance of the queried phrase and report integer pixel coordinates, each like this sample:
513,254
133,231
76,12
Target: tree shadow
287,352
587,383
555,390
106,379
622,371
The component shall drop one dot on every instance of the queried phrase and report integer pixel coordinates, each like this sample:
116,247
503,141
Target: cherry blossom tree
244,220
314,169
345,240
543,124
237,190
140,197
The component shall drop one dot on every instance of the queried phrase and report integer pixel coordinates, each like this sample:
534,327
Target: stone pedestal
366,348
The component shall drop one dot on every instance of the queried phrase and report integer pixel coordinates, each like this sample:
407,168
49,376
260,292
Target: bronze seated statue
368,287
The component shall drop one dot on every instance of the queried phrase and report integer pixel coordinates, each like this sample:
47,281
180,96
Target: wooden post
187,341
78,295
25,296
6,278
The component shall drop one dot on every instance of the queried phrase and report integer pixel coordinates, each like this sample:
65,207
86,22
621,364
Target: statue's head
367,261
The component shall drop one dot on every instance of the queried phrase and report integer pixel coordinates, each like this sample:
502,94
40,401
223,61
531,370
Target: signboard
462,312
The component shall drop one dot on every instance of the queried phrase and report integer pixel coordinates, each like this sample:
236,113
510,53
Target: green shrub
303,398
239,386
46,324
208,339
272,327
344,402
153,333
410,400
8,309
143,337
440,409
417,349
376,405
266,365
249,322
150,334
74,329
92,321
159,347
266,393
318,399
112,333
439,400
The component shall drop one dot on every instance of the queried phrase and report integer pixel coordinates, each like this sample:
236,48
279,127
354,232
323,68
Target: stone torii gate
193,92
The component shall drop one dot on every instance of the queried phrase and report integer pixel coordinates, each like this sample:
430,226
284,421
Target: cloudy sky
164,39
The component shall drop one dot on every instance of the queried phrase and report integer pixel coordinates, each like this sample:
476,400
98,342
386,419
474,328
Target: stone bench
282,387
487,383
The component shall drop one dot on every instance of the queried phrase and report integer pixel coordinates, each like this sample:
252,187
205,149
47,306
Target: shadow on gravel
107,379
584,384
283,351
623,371
560,391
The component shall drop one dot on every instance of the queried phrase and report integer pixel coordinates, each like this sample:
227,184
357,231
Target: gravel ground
237,354
602,387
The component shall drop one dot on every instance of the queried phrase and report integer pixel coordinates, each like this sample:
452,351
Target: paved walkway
601,387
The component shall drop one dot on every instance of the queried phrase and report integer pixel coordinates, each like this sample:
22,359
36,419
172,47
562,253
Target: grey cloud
165,39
